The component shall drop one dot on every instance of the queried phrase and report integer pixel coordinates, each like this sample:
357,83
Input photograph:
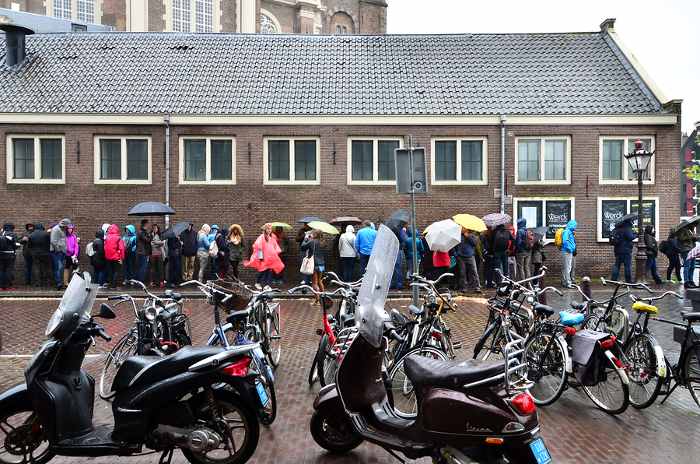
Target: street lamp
639,161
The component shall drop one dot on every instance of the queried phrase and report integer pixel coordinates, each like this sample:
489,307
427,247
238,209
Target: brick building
690,154
255,128
268,16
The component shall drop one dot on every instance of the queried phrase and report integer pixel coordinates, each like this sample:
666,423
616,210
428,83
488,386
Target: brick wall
251,204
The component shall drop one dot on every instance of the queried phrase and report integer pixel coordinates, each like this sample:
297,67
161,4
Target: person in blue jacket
568,249
622,239
364,244
130,242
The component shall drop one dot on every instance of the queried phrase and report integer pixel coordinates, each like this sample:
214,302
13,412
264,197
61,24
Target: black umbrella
690,222
307,219
626,218
151,208
400,215
176,230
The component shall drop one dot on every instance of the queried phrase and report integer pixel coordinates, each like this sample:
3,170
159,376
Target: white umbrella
443,235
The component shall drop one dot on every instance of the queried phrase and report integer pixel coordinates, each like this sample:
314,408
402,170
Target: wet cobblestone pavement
575,431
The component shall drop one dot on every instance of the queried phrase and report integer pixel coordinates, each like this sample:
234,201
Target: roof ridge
310,36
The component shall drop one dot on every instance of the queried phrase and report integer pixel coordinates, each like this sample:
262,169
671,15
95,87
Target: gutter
503,163
166,122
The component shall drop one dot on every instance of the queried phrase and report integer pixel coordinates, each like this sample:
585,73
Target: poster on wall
648,212
531,211
558,214
611,211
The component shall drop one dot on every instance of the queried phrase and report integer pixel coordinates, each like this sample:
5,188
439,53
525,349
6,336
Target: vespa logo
472,428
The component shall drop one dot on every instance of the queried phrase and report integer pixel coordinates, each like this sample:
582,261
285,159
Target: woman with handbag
235,247
314,253
265,258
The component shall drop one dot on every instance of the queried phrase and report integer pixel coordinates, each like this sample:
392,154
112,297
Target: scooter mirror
106,312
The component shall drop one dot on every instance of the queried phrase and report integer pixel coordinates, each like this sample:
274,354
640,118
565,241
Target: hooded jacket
130,239
203,241
143,242
652,247
72,247
568,240
189,242
39,243
364,242
467,247
58,236
521,236
624,239
9,245
114,245
270,254
346,244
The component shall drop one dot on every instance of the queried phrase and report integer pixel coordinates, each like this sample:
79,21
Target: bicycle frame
677,371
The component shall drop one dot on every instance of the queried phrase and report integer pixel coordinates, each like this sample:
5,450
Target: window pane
555,159
472,160
110,159
386,164
86,11
203,17
278,159
630,149
181,16
23,158
62,9
221,160
196,160
362,159
305,160
137,159
612,159
51,158
529,160
445,160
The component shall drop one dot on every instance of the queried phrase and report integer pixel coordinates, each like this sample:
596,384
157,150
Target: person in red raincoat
266,257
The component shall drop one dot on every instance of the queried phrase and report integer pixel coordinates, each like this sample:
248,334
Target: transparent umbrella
443,235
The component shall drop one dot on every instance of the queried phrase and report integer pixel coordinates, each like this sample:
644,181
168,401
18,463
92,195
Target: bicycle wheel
642,370
611,393
124,349
546,367
273,336
692,373
405,402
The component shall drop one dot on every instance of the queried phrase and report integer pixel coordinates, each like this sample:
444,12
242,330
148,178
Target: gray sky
664,35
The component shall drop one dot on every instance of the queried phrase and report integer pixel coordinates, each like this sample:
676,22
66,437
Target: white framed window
543,160
614,168
36,159
459,161
372,160
86,11
62,9
291,161
550,212
204,15
208,160
192,15
182,15
610,209
123,159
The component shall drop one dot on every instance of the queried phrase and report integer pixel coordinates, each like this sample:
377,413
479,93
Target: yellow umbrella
283,225
324,227
470,222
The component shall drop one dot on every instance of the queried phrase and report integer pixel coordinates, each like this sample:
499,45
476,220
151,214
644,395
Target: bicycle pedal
457,345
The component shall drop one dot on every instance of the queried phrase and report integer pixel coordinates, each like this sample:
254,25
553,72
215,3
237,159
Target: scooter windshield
375,286
74,308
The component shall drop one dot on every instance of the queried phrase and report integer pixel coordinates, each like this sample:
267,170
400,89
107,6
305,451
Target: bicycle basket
240,296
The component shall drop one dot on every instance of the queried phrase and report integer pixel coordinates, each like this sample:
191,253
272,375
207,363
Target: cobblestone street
575,431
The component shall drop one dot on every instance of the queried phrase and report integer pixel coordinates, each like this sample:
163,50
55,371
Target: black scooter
468,412
202,401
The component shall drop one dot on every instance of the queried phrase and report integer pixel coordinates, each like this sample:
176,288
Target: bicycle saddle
570,319
642,307
415,310
691,316
578,306
543,310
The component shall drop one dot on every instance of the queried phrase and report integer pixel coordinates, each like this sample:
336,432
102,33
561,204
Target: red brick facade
250,203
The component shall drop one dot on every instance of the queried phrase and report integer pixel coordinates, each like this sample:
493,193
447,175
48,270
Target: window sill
207,182
292,183
457,183
624,182
37,181
543,182
378,183
122,182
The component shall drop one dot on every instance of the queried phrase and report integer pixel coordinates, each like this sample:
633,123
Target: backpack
501,241
90,249
666,247
559,237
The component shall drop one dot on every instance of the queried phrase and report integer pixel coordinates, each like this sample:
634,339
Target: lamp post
639,160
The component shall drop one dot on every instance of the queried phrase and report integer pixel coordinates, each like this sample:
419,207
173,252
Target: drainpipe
166,122
503,163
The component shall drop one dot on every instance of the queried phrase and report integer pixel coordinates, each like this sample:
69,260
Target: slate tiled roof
234,74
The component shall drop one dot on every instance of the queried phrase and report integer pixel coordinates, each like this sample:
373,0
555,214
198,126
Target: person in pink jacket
72,253
266,257
114,253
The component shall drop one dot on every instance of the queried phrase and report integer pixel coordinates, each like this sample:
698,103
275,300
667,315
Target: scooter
468,412
202,401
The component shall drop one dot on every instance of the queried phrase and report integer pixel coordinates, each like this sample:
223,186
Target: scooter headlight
54,322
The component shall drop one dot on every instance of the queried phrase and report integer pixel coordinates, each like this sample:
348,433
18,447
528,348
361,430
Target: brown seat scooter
467,411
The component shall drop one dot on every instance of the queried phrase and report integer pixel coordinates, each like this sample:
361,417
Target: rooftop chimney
15,51
608,25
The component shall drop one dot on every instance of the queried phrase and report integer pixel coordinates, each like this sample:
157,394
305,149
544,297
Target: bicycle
686,371
160,328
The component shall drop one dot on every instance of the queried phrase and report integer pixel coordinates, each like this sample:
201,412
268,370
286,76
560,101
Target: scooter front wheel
334,434
22,438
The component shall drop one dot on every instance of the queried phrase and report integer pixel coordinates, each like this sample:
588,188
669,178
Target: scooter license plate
539,450
263,394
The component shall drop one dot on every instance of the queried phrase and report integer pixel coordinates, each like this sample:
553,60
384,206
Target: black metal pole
414,245
641,258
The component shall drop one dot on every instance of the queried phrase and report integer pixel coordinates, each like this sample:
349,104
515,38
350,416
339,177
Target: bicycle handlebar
655,298
206,288
641,285
294,290
422,279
